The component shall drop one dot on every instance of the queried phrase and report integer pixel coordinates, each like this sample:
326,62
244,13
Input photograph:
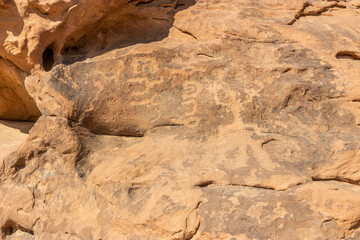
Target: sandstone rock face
35,34
207,119
15,102
12,135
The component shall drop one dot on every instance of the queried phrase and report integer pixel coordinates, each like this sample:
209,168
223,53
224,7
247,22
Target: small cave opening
7,231
10,228
48,58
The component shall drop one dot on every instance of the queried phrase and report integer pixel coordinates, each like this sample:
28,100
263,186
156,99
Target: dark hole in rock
7,231
10,228
348,55
48,58
204,184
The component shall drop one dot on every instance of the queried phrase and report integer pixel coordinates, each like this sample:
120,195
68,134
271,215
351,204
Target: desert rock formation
180,119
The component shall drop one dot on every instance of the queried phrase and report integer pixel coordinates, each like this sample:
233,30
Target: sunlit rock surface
163,119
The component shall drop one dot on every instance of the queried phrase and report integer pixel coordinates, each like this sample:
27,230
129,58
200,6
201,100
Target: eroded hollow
15,102
11,227
48,58
142,22
9,230
348,55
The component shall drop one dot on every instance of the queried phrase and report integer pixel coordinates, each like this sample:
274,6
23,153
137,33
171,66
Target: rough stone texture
15,102
34,34
12,135
163,119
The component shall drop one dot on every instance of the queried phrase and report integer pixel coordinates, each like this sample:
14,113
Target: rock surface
164,119
12,135
15,102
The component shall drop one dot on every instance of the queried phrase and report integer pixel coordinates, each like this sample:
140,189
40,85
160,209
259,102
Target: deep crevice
48,58
268,141
319,12
186,32
204,184
337,179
